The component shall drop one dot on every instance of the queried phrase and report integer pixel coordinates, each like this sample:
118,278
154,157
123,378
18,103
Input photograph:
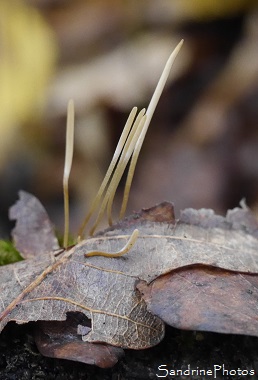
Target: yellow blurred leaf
27,56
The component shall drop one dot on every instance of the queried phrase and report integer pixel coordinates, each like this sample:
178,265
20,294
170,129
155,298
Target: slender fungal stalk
150,110
67,167
129,146
119,148
125,157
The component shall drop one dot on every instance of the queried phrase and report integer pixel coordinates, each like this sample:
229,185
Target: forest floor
180,350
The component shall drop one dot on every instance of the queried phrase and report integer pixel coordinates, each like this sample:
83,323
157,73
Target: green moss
71,239
8,253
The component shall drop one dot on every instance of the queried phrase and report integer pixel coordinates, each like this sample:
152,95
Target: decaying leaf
61,340
105,289
118,314
33,233
205,298
47,287
199,237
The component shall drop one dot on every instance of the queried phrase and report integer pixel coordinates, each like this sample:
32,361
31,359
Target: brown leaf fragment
163,212
198,237
160,213
108,297
205,298
61,340
105,289
33,234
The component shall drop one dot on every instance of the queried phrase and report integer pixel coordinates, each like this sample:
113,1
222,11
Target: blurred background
201,149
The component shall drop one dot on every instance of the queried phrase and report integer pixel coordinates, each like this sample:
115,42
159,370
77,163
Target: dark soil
20,359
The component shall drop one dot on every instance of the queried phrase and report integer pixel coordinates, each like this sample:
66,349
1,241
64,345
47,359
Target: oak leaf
48,287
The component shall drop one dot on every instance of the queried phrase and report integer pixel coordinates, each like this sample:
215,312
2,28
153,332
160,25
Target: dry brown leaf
61,340
205,298
33,234
105,289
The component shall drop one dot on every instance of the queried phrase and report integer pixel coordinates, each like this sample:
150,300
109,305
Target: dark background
201,147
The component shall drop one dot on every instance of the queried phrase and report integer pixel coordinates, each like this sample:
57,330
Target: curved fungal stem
67,167
131,242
